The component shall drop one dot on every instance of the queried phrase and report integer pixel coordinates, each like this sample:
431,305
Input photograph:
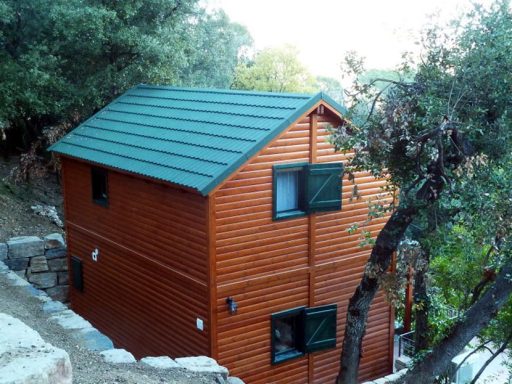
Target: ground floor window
287,339
302,330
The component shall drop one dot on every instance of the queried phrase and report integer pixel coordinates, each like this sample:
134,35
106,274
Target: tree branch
481,346
490,359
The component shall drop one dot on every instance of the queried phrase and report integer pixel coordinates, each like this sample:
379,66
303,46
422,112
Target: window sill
289,215
285,356
102,202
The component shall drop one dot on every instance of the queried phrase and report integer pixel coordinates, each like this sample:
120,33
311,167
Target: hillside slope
16,216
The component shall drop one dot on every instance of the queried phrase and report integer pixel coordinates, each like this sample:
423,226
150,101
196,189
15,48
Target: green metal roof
192,137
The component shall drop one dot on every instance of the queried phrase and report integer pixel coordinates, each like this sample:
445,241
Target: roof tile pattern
186,136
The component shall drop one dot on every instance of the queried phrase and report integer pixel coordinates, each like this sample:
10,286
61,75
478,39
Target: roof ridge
305,96
202,101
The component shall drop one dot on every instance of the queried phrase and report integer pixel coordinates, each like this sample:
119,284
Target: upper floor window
303,188
99,182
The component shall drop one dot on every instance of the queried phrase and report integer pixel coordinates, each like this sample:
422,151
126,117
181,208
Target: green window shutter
320,328
323,187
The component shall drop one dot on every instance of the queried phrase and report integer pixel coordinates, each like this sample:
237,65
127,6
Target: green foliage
275,70
465,77
62,60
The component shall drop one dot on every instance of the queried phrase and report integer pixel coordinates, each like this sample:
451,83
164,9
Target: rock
22,273
25,246
63,278
48,211
395,376
59,293
402,362
15,280
3,251
43,280
60,264
55,253
202,364
3,267
118,356
234,380
17,264
34,292
70,320
94,340
43,298
54,306
27,358
38,264
160,362
54,240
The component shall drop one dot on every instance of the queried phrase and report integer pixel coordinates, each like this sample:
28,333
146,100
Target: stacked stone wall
41,261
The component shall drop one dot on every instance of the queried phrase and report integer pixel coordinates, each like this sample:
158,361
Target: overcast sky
323,30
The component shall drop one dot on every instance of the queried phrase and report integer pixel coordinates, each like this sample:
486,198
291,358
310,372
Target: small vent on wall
77,273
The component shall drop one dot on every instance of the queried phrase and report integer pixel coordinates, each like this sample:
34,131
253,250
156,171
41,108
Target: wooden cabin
214,222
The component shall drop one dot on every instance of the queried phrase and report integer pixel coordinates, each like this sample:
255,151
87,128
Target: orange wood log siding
150,282
270,266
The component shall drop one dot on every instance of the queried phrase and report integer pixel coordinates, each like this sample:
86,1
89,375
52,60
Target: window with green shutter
302,330
299,189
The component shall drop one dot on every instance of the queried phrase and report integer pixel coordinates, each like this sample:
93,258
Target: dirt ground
16,216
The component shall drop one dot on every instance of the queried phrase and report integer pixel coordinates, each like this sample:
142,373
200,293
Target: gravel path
88,367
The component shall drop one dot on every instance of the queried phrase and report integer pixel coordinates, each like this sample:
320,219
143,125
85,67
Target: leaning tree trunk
476,318
359,304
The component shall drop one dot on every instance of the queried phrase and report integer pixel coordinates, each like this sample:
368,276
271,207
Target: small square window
99,181
287,335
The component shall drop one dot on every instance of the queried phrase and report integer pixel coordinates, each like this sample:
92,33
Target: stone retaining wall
42,262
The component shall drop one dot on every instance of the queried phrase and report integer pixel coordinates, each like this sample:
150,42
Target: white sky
323,30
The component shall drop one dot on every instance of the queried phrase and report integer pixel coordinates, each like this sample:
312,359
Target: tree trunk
359,304
475,319
422,306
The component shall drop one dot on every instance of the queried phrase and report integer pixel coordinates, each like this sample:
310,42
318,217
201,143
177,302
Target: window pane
99,186
284,335
287,191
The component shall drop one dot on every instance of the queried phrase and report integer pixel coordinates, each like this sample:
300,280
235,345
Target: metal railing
406,344
406,340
